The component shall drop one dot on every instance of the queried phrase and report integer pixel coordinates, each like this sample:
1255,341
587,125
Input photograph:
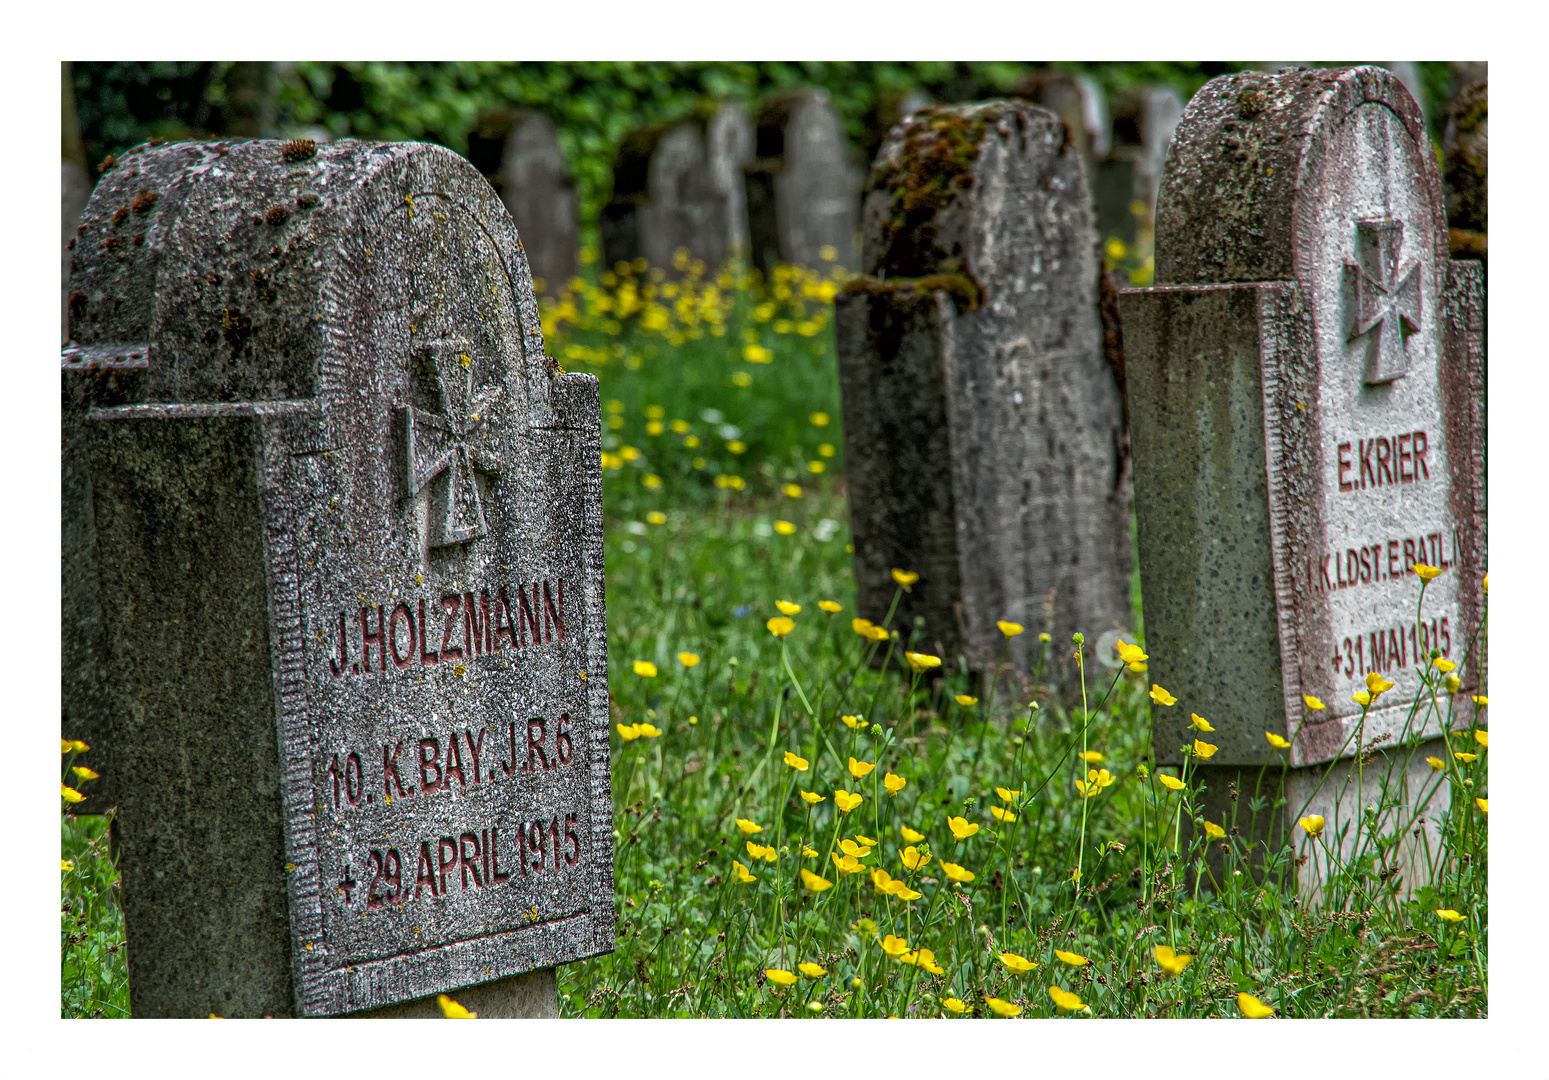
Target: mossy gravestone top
1306,410
349,533
983,427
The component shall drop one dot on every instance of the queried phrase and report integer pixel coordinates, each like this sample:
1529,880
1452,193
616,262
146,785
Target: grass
1032,862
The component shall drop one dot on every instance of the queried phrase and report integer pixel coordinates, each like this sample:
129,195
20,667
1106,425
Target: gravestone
678,186
803,192
1129,175
1080,103
519,154
1466,148
982,424
1306,415
348,528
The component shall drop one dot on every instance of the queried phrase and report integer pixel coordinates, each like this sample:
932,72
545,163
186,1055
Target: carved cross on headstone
1387,299
455,442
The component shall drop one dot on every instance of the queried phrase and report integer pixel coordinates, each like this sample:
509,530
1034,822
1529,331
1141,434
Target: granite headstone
983,426
1306,414
803,191
518,151
678,187
348,530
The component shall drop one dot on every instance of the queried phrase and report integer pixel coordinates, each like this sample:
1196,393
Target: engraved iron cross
455,442
1387,299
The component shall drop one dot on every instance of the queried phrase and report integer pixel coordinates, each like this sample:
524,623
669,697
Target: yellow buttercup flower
808,853
64,746
1010,629
1483,804
688,659
1442,666
847,864
779,976
645,669
1376,684
1481,699
453,1011
759,851
905,578
910,835
628,732
1019,964
1130,654
779,626
1002,1008
894,784
84,773
966,701
1361,697
854,723
861,626
913,859
850,847
647,731
1203,750
1212,830
861,838
882,880
1426,573
811,798
1171,962
813,882
903,892
1482,737
1450,915
1008,794
1452,683
894,946
962,828
859,769
879,633
830,607
1172,783
1276,741
78,746
956,872
1465,758
788,608
1312,824
784,528
919,662
1096,780
846,801
924,958
798,763
954,1004
1065,1001
1312,702
1091,757
1000,813
1073,959
1437,763
748,828
1252,1008
70,795
1162,697
811,970
1199,722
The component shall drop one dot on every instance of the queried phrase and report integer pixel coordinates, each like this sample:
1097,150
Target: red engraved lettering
390,775
454,763
474,750
1396,648
476,635
446,858
1404,475
338,667
1384,462
426,875
1409,556
1422,472
510,766
1352,566
392,874
1393,568
553,624
535,844
535,735
521,847
494,857
504,628
1379,651
335,772
1345,466
427,657
484,849
528,618
374,863
574,855
400,662
430,754
1366,564
469,863
368,639
452,605
354,780
1368,473
1328,582
562,739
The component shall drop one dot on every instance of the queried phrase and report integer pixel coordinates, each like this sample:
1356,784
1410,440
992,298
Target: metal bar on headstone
330,466
803,191
518,151
983,426
1306,416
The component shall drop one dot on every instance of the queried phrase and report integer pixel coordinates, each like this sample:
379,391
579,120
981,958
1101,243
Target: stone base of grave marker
982,424
534,996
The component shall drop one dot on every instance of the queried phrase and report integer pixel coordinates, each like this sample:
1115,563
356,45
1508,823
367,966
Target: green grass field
811,823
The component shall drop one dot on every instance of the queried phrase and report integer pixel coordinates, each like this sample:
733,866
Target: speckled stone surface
983,427
349,537
1306,413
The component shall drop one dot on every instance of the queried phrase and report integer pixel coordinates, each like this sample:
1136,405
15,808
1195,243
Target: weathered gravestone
518,152
1306,422
348,529
1466,148
679,186
803,192
1080,103
982,425
1128,177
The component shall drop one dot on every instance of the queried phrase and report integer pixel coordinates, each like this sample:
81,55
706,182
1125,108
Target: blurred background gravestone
1129,175
349,531
519,154
1466,150
802,187
676,188
1306,408
983,427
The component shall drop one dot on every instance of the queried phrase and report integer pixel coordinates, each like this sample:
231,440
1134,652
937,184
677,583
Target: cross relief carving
1387,299
455,441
